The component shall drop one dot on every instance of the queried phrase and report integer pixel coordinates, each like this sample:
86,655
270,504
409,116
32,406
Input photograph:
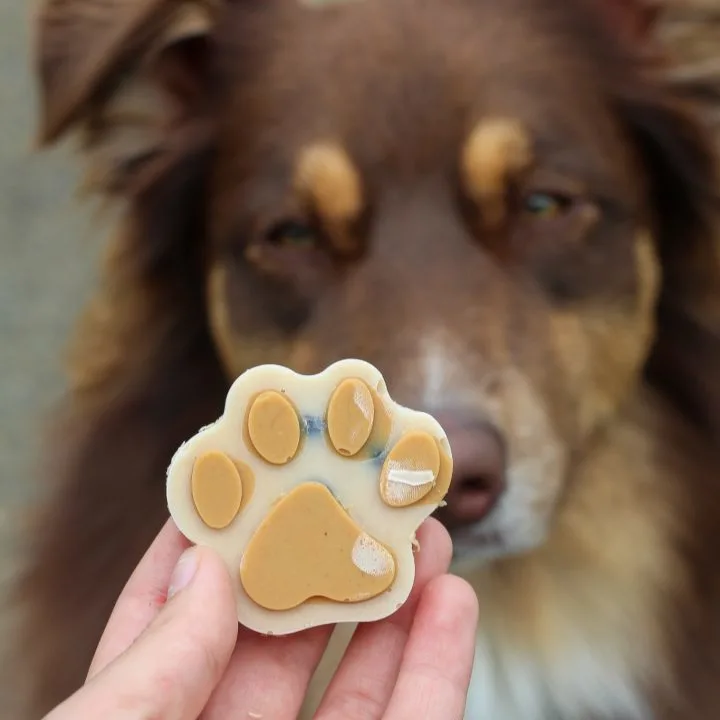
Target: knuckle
358,703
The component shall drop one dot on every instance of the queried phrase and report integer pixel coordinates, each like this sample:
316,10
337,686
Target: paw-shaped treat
311,488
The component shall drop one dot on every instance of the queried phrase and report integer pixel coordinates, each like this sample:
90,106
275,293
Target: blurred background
49,246
49,243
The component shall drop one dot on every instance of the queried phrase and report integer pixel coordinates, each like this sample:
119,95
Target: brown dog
495,203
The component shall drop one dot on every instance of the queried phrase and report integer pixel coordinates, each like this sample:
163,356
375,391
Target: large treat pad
311,488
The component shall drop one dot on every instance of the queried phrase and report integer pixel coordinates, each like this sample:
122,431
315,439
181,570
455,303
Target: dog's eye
547,205
291,233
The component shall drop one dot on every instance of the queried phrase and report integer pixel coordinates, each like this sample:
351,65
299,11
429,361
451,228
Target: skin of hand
173,649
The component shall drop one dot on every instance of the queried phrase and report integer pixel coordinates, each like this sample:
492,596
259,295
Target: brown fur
597,326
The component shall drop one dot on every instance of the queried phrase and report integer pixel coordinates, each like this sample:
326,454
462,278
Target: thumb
170,671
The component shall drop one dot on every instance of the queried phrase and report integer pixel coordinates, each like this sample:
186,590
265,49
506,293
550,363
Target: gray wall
48,249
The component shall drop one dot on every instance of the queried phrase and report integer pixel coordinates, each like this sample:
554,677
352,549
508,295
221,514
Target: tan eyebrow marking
327,179
495,150
649,271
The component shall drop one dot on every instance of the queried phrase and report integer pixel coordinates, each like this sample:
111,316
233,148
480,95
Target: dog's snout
478,469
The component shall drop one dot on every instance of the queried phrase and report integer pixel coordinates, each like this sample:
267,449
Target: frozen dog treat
311,488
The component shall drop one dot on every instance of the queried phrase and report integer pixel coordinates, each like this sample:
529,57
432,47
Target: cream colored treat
311,488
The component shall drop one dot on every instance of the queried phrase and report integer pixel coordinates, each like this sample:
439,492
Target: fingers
436,667
176,659
142,598
170,671
365,679
268,677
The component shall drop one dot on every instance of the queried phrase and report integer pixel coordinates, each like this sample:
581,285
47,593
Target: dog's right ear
129,76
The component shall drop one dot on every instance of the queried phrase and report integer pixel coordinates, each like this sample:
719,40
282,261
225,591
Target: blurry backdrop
47,254
49,244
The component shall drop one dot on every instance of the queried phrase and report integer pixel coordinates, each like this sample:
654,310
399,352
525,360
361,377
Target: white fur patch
447,379
583,682
536,465
435,366
519,522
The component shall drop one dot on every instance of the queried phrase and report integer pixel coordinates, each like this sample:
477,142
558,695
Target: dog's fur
589,336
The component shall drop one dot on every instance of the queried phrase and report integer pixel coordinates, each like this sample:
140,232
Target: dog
507,208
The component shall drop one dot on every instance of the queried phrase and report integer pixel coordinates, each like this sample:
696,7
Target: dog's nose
478,469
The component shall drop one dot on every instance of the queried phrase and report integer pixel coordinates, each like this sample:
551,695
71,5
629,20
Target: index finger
438,659
142,597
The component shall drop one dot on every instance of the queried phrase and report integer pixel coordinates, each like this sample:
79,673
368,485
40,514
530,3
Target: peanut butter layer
217,489
410,469
308,546
274,427
350,416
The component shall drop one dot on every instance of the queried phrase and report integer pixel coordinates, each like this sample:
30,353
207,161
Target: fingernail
184,572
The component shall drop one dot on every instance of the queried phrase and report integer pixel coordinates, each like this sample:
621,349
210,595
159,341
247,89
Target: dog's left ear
679,156
128,75
632,21
665,123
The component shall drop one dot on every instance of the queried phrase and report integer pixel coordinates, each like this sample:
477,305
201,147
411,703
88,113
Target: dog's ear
680,160
689,31
632,21
144,374
129,76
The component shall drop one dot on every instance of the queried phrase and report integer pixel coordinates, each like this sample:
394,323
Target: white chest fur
582,681
578,628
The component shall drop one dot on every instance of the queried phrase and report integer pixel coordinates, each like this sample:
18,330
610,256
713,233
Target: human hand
173,649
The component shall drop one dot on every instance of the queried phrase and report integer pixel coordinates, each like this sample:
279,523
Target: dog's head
492,202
